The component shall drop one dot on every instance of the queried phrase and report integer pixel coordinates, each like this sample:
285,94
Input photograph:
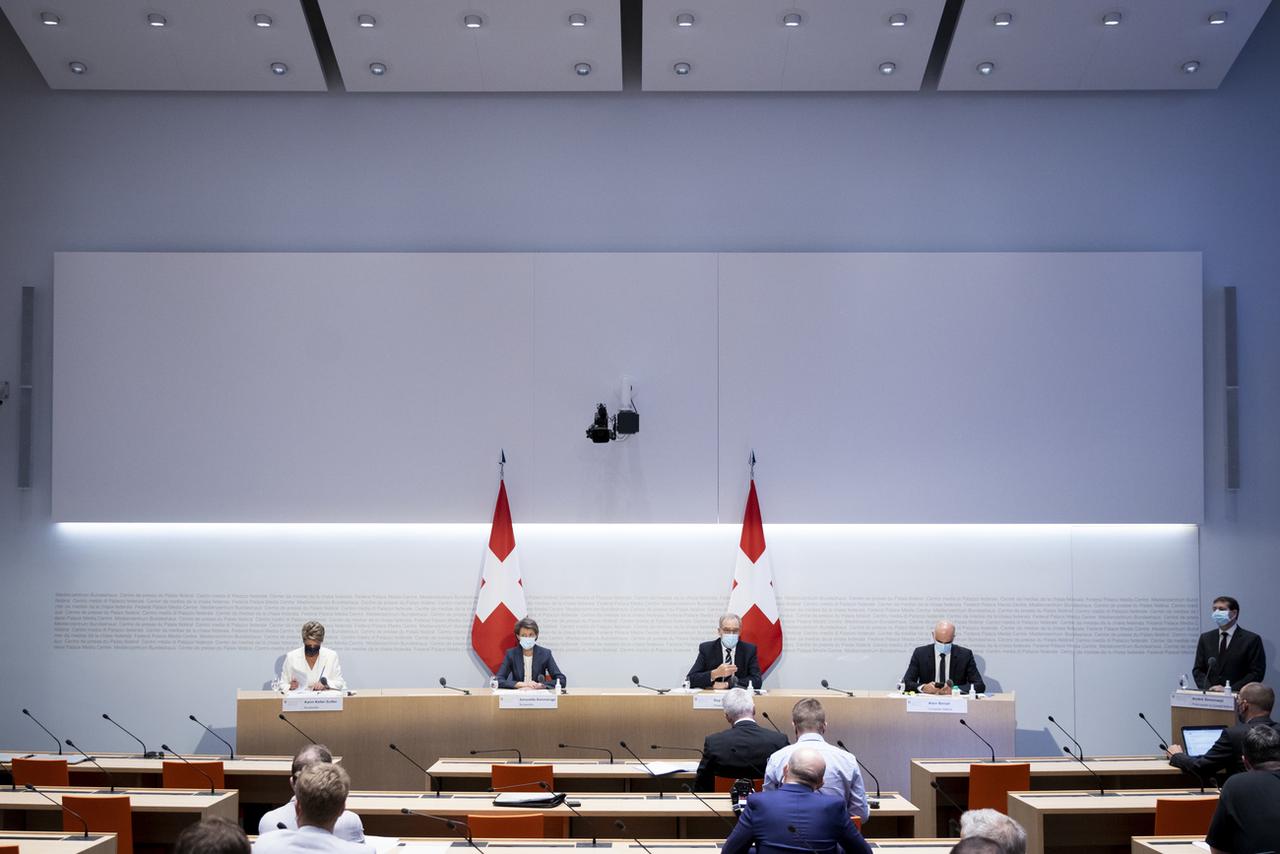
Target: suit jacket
711,656
1245,661
543,668
311,840
820,823
1225,754
742,750
963,669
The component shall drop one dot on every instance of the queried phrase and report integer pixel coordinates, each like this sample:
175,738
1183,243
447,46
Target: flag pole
752,463
502,463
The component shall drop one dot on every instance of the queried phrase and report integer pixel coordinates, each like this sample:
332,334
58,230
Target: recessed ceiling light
1111,19
1003,19
279,69
1218,18
682,69
473,22
261,20
582,69
577,19
684,19
77,67
898,20
367,22
49,19
156,20
1191,66
887,68
377,69
986,68
792,19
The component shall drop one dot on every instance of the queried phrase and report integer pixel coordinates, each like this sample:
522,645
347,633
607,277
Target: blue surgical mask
941,648
1221,617
528,643
729,640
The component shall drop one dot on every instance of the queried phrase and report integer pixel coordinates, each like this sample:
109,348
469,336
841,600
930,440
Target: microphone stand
56,740
146,754
618,823
587,747
452,824
874,778
430,776
309,739
1079,749
765,715
707,804
444,683
59,804
1102,791
980,738
515,750
635,680
105,773
212,789
564,799
827,685
953,824
231,754
659,777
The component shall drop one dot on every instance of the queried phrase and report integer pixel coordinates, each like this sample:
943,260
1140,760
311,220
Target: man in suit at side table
1253,708
726,662
796,819
742,750
937,667
1237,653
321,789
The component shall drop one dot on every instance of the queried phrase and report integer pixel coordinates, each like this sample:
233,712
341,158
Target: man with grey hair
796,818
742,750
996,826
348,827
321,790
727,661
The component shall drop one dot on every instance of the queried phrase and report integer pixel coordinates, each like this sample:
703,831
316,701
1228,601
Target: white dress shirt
307,839
295,667
842,777
349,826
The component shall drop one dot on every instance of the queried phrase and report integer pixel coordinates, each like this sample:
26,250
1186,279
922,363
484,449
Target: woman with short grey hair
312,666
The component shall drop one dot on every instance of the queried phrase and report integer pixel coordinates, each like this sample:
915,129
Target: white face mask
528,643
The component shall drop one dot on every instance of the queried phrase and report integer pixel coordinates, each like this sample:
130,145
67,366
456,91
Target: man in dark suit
1253,706
1236,653
742,750
936,667
795,818
726,662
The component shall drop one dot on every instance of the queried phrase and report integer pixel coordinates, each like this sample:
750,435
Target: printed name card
528,700
709,700
938,705
1196,700
313,701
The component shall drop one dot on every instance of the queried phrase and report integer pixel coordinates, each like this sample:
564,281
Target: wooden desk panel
159,815
56,842
1076,822
1167,845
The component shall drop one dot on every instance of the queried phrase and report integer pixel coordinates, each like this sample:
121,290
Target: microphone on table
561,796
862,765
708,805
1101,789
111,783
146,754
324,680
46,729
451,823
444,683
1208,679
659,777
31,788
430,776
280,825
515,750
635,680
1079,749
827,685
618,823
309,739
953,824
791,828
231,750
213,790
980,738
1164,742
697,750
765,715
588,747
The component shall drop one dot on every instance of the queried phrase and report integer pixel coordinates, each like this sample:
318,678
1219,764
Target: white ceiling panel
1066,44
203,45
747,45
517,46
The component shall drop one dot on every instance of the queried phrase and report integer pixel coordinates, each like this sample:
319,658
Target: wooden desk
1048,773
472,773
1070,822
159,815
623,846
1180,716
646,815
433,723
35,842
1168,845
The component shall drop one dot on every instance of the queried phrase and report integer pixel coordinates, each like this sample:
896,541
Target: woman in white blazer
311,665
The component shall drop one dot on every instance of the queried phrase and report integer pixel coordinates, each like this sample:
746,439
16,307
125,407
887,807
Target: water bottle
684,687
973,695
559,686
1182,682
1226,686
955,690
493,683
902,687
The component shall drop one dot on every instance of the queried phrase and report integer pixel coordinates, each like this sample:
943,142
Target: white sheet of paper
381,844
659,766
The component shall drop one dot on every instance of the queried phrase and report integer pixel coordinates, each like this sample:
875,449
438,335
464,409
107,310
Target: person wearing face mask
304,667
937,667
1253,709
1236,653
527,665
727,661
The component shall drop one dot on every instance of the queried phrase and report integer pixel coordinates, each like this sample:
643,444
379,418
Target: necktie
1222,646
942,668
728,655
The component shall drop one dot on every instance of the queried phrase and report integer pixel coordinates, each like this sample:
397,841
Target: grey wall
634,171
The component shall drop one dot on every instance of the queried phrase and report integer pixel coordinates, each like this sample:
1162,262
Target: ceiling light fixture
898,20
986,68
279,69
582,69
1111,19
682,69
77,67
156,20
577,19
1003,19
49,19
263,21
473,22
377,69
1191,66
1218,18
684,19
887,68
366,22
792,19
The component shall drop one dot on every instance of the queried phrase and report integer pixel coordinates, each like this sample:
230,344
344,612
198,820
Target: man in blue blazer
726,662
936,667
796,819
528,665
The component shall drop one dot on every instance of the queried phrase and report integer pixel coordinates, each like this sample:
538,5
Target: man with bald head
796,818
937,667
1253,709
348,827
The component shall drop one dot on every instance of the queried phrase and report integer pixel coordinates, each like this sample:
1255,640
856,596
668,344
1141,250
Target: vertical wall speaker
24,387
1233,387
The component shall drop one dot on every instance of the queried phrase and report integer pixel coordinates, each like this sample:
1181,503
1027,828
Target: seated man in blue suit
796,819
529,665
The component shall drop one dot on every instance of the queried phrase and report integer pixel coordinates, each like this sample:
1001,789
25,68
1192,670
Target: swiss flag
753,597
501,600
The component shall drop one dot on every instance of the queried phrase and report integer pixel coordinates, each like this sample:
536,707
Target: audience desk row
57,842
159,815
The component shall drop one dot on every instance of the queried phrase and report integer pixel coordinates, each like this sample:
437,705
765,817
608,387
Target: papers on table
660,766
382,844
519,799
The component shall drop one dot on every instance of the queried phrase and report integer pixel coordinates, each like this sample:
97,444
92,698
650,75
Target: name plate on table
1195,700
711,700
528,700
313,701
938,705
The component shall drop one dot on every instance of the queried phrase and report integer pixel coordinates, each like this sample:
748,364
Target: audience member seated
1248,815
997,827
349,826
321,795
215,835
